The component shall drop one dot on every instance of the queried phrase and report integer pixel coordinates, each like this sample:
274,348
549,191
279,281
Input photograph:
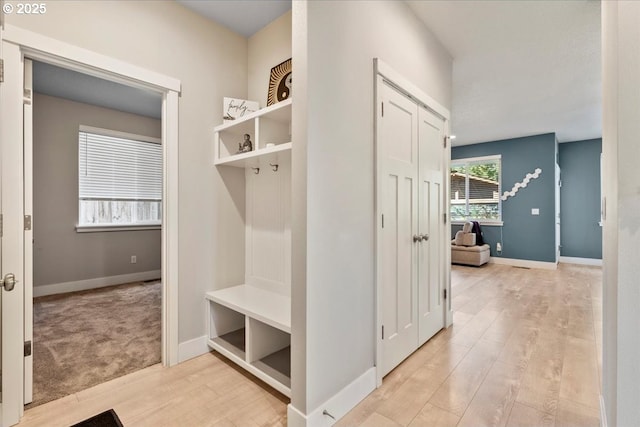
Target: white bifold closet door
412,238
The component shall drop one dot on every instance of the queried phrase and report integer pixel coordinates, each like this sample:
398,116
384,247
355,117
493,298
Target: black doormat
106,419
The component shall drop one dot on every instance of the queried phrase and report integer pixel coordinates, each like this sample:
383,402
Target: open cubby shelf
250,324
270,132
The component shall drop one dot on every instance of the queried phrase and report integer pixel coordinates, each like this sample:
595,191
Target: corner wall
267,48
60,253
621,151
523,236
580,233
334,44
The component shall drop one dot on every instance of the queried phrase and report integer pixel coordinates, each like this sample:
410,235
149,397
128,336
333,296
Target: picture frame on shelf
279,83
234,108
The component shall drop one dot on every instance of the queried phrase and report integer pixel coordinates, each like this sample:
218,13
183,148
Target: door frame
384,73
42,48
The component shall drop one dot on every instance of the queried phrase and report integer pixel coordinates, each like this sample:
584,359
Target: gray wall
580,234
60,253
523,236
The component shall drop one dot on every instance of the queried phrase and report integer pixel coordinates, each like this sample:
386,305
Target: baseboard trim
524,263
338,405
603,413
581,261
192,348
98,282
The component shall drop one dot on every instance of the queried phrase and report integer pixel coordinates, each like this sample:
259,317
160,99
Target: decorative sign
233,109
280,83
522,184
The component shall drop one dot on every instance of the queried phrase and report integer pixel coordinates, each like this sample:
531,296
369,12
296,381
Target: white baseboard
338,405
98,282
603,413
581,261
192,348
524,263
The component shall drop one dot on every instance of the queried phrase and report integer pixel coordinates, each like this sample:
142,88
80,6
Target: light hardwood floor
524,350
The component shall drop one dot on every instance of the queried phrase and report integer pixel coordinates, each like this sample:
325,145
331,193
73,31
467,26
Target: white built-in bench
252,327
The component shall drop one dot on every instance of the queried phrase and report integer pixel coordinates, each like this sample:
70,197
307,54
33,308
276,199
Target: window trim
107,227
99,228
469,160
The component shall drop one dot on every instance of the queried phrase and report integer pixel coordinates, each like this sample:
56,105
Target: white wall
211,62
334,44
621,234
60,253
267,48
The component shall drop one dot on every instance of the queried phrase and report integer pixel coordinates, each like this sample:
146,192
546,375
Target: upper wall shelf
270,132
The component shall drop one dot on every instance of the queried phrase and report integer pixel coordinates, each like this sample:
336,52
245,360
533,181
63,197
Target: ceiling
244,17
63,83
521,67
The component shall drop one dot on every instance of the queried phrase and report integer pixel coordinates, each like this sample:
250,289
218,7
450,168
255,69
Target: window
475,189
120,179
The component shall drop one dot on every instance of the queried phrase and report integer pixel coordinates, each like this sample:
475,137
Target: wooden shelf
258,158
233,342
267,307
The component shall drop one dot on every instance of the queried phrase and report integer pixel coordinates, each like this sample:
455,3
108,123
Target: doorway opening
96,229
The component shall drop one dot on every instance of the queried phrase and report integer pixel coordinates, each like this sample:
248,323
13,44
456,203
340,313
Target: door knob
9,281
417,238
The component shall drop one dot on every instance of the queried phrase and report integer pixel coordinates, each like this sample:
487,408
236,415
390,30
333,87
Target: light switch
535,211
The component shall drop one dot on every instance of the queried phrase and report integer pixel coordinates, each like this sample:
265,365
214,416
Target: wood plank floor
524,350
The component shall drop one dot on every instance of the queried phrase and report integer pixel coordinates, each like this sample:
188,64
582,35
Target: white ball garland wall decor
518,185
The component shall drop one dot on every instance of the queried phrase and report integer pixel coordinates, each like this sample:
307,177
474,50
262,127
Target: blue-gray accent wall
580,234
523,236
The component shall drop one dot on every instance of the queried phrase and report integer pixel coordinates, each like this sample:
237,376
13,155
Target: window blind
113,168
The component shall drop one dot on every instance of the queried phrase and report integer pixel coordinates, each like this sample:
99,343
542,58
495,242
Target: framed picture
280,83
233,108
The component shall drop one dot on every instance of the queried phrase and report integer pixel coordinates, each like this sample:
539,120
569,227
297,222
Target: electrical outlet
498,247
134,259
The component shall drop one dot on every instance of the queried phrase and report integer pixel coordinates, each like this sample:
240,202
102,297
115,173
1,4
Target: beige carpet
86,338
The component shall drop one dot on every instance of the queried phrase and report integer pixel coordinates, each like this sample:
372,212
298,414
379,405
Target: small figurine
246,145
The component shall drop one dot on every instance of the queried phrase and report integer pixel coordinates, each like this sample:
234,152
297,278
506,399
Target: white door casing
15,199
28,229
557,211
399,182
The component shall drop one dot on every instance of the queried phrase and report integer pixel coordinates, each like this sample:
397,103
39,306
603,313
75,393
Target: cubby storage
270,132
250,323
252,327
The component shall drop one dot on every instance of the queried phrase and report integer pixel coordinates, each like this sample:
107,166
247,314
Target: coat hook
256,170
274,167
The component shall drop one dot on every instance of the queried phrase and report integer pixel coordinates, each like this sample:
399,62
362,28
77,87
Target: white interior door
399,182
12,252
431,274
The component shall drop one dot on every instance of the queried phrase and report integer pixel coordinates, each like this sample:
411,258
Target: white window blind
114,168
119,179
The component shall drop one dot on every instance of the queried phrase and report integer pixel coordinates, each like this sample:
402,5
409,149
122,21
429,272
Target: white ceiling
521,67
245,17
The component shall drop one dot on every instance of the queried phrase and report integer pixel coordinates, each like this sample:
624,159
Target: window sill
486,223
99,228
